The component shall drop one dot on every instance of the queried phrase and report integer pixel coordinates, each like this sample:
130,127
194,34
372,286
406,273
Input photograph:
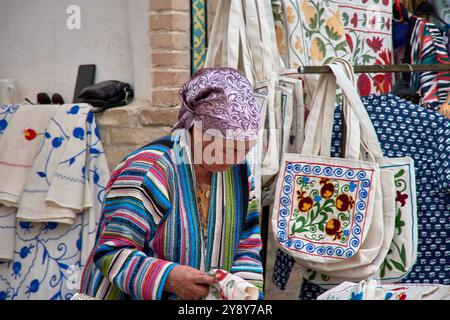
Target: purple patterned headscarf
220,99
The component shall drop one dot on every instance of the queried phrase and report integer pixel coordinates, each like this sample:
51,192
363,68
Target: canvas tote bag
392,169
367,260
324,206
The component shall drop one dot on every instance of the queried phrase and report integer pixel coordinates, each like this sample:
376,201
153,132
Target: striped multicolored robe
150,223
428,47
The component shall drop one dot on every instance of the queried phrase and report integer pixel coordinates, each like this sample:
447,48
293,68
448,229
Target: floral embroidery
315,197
29,134
5,111
376,43
368,32
326,216
389,262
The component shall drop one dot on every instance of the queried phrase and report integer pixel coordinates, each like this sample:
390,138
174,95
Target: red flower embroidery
354,20
372,21
364,85
401,198
388,24
349,41
29,134
375,43
383,81
386,2
220,275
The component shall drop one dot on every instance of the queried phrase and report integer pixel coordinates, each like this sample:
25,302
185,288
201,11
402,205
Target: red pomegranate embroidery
29,134
327,189
304,203
333,229
344,202
220,275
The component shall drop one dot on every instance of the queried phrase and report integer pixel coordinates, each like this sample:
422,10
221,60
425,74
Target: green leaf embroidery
313,22
334,35
321,46
325,277
399,174
321,227
398,265
366,58
230,284
328,60
399,223
345,18
403,254
312,276
383,270
342,46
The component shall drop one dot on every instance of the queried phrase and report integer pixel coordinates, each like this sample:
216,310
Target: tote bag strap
324,93
367,129
219,32
271,57
254,37
323,107
236,30
352,138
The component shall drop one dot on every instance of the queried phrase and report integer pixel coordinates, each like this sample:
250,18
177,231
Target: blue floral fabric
48,257
405,129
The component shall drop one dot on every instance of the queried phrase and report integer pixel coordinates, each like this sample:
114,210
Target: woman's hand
188,283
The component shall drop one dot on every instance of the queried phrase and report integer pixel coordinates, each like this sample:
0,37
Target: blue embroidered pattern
47,258
336,173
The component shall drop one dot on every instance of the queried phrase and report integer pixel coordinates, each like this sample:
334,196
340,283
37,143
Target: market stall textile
368,30
49,256
405,129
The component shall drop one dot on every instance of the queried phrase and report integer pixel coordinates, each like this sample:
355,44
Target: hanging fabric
405,129
310,189
57,149
427,47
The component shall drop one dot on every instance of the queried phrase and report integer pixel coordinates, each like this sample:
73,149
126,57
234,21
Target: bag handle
368,131
236,26
322,106
268,40
352,138
253,31
218,34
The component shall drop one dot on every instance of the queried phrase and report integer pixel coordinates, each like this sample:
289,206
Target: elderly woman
173,211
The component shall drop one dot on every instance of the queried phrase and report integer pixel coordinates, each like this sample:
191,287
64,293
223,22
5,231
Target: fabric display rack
388,115
53,174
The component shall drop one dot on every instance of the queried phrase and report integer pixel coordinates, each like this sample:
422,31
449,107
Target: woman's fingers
201,291
203,278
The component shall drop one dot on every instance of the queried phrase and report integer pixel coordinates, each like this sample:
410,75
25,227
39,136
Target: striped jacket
150,223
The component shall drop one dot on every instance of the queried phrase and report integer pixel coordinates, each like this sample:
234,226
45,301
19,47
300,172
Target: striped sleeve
247,261
134,205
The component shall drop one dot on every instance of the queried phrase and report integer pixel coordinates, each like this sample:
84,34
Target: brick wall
125,129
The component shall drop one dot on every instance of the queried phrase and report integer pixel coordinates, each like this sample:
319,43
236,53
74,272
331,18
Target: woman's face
216,154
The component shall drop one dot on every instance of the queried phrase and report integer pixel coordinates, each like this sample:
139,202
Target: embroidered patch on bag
323,208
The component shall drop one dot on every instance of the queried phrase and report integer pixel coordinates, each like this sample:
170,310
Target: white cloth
49,257
231,287
21,136
373,290
56,190
19,143
7,232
